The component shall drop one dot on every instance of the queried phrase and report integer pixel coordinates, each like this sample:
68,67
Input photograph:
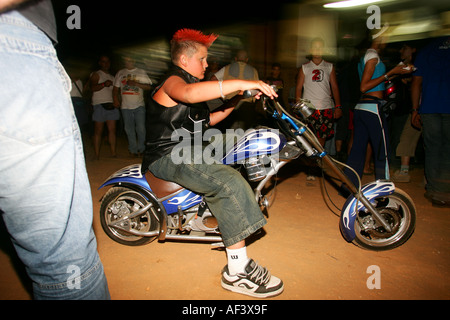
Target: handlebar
304,137
304,108
250,93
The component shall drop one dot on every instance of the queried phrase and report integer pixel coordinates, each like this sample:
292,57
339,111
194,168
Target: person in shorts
317,82
101,83
177,106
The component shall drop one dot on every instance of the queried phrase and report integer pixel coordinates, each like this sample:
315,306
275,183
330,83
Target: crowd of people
101,98
360,121
52,230
333,90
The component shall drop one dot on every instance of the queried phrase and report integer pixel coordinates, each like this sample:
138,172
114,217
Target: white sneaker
256,281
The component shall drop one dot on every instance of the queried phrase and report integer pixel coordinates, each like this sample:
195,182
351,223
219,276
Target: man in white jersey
317,82
131,83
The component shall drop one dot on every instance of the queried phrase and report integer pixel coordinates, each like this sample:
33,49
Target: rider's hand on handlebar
264,88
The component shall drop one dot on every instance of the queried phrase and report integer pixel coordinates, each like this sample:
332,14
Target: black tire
119,202
399,210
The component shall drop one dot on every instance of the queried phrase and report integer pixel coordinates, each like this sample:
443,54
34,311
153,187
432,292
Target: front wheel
398,210
117,204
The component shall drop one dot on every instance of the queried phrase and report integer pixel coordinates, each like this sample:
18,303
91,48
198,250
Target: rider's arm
175,89
223,111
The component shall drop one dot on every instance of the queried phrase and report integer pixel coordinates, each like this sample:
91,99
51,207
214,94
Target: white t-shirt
316,87
103,95
132,96
371,54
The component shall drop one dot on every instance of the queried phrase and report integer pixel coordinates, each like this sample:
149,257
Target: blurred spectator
243,115
128,94
101,84
317,82
410,135
431,111
80,105
348,82
369,118
275,80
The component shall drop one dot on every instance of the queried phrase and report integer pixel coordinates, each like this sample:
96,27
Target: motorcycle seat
161,188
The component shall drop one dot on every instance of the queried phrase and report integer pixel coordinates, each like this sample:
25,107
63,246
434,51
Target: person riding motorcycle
178,103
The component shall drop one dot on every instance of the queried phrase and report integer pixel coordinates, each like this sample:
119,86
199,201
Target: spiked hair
194,35
186,41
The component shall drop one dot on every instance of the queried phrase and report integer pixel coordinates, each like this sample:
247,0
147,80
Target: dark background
107,24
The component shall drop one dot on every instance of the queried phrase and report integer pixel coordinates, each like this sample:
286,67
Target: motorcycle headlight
304,108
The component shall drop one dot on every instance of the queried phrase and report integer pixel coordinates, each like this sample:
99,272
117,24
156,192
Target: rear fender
130,175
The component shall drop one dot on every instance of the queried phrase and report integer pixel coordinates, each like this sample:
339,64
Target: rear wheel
117,204
399,211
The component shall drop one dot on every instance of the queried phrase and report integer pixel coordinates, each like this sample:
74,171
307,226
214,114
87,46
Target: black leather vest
163,122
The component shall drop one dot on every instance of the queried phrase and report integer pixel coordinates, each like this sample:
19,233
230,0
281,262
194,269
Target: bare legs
98,131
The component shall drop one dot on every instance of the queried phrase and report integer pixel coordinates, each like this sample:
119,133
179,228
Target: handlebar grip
254,92
250,93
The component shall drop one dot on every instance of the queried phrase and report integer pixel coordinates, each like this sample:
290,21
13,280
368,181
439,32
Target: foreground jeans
45,197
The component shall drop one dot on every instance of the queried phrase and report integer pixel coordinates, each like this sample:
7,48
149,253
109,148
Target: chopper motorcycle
138,209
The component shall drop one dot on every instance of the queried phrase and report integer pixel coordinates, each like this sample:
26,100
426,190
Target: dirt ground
301,244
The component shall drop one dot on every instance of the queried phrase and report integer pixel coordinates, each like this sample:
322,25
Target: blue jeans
436,136
45,197
134,123
228,195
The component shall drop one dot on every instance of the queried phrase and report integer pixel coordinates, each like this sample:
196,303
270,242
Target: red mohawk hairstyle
195,36
186,41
